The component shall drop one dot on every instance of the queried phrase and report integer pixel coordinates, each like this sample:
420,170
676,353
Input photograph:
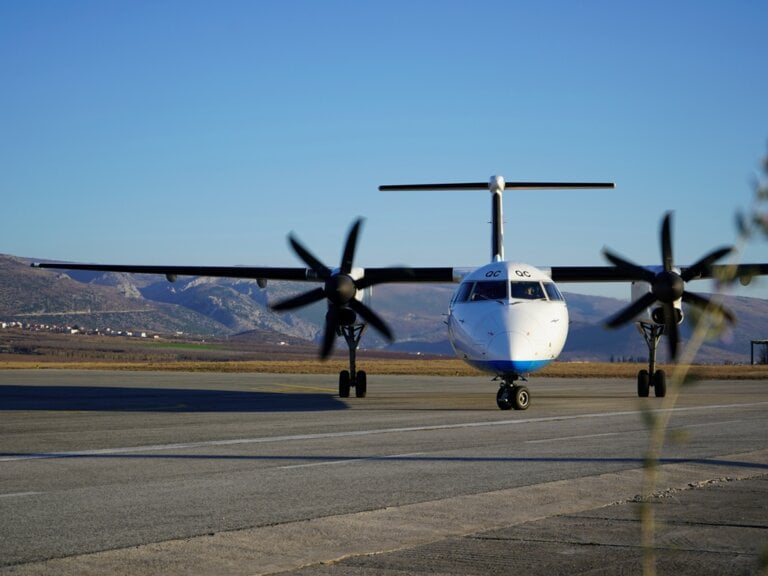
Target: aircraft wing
612,274
173,271
371,275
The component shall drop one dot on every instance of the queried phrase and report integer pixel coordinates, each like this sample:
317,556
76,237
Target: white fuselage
507,318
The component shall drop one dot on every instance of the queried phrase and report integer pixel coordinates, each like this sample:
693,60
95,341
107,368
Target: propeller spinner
339,290
667,287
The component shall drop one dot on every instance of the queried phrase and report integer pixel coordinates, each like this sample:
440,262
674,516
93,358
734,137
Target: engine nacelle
653,314
341,316
657,315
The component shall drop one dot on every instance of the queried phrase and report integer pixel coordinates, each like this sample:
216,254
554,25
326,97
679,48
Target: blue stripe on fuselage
508,366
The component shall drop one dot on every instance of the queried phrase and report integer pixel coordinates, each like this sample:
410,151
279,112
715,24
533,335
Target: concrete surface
146,473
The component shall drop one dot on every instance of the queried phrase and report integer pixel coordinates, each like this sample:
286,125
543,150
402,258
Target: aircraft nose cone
512,345
515,353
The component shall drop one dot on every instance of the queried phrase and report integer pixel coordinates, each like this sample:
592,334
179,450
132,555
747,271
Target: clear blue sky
197,132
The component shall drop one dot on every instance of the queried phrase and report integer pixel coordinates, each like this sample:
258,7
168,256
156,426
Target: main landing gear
511,395
651,377
351,378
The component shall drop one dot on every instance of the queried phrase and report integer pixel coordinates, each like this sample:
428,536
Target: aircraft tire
344,384
660,383
643,384
504,397
521,398
361,386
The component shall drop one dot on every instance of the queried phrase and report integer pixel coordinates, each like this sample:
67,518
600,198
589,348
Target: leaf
761,222
649,417
742,227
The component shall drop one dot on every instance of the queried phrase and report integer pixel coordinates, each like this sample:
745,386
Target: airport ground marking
19,494
583,437
349,434
352,460
299,387
707,424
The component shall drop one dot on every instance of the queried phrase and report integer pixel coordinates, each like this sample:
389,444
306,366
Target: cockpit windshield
484,290
479,291
492,290
527,290
552,291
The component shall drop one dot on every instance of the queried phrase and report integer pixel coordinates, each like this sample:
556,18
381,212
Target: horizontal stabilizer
484,186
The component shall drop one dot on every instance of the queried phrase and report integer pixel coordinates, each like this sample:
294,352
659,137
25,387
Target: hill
239,309
49,298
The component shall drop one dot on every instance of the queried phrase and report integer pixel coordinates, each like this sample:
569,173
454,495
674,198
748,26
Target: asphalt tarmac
179,473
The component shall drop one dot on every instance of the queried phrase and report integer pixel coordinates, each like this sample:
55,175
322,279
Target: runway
183,473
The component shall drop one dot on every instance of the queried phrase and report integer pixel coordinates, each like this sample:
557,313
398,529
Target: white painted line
19,494
706,424
350,460
571,438
350,433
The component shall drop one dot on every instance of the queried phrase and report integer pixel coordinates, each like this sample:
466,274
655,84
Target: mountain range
214,307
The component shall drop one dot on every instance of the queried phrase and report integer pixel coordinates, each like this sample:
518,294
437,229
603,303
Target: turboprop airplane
506,318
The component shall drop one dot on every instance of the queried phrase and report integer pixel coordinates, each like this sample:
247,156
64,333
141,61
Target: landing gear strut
511,395
651,377
352,378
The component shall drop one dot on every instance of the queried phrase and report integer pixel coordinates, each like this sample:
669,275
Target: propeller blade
340,289
666,243
628,313
668,287
671,329
329,336
301,300
701,265
638,272
309,259
706,303
372,318
349,247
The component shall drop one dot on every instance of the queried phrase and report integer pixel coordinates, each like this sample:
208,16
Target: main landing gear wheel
651,377
352,377
645,380
344,384
361,386
517,397
660,383
643,383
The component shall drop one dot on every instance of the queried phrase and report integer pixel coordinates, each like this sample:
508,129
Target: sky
202,132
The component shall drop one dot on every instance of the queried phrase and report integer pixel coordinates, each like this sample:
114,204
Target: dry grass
40,350
415,366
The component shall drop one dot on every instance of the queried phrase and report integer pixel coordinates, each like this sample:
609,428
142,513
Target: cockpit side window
491,290
527,290
462,294
552,291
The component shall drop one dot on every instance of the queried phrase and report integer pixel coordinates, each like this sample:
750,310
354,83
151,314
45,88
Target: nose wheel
513,396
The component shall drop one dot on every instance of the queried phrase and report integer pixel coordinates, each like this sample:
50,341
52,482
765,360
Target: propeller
339,289
667,286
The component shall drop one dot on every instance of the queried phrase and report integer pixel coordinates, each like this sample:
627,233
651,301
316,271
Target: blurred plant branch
749,224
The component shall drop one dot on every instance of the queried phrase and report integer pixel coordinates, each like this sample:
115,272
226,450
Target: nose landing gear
511,395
